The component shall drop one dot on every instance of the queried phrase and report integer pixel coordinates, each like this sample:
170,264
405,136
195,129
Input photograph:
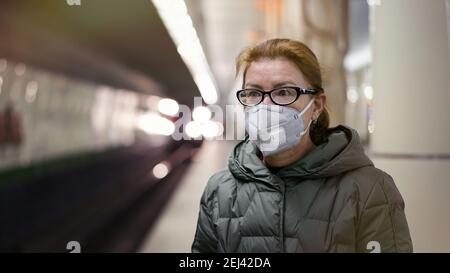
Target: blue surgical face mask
275,129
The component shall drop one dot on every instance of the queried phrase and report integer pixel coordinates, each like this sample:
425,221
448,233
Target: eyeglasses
279,96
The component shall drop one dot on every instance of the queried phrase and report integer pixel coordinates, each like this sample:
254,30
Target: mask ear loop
301,114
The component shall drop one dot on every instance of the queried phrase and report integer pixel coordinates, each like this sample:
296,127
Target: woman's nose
267,99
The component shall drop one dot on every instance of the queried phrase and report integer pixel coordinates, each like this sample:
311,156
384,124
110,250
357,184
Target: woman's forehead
273,72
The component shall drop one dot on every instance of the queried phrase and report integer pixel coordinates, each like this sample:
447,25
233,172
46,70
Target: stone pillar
411,137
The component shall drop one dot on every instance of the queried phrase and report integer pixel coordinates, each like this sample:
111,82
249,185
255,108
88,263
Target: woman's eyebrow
284,83
253,85
275,86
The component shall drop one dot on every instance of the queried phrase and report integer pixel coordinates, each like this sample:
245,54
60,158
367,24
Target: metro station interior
93,92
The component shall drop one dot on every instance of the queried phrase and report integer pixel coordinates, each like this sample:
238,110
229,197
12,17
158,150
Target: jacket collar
341,152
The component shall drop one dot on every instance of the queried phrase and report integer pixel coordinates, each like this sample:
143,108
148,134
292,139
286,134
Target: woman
295,185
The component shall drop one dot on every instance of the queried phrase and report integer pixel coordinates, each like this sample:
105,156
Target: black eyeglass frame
299,90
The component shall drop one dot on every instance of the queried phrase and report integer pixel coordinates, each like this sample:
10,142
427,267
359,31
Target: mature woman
294,184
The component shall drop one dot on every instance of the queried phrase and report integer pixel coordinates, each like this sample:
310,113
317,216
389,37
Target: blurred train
88,99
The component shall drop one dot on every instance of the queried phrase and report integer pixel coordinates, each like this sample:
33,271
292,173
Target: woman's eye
283,92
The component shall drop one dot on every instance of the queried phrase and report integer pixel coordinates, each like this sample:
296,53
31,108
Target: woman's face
267,74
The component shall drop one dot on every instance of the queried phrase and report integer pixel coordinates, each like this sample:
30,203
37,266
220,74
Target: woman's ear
319,104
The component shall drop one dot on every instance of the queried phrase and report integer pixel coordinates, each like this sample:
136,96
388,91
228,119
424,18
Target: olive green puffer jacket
331,200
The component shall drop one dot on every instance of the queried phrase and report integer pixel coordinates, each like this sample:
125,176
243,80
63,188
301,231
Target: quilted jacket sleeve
382,225
205,239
